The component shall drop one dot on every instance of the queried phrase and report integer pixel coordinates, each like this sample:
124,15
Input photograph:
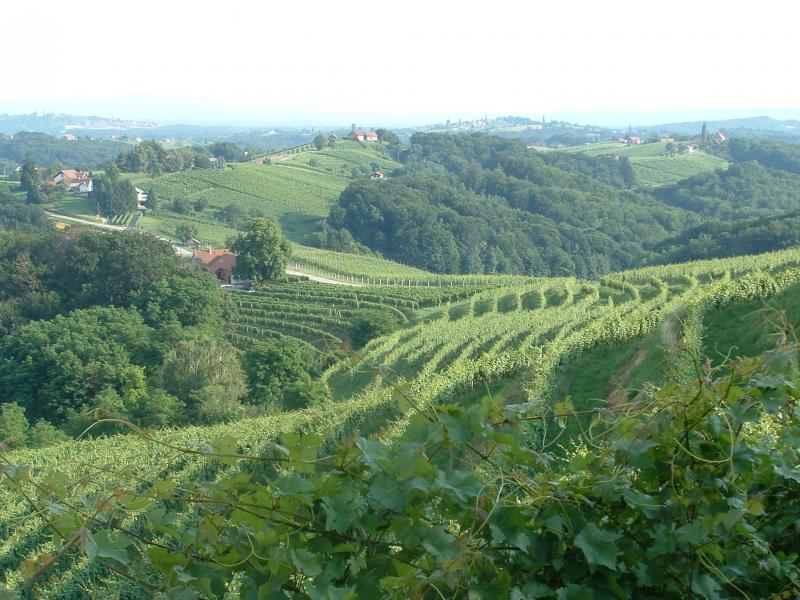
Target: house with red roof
362,136
219,262
74,181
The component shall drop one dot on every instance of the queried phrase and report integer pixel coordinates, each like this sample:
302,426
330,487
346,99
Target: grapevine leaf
599,546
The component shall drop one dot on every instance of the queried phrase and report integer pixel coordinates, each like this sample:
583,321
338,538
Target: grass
80,206
751,328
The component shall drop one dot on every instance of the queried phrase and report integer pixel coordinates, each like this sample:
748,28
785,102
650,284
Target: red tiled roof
206,257
223,261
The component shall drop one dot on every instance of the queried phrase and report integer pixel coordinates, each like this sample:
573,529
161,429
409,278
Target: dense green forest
471,204
93,322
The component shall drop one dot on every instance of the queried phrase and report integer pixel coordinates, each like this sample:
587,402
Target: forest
483,204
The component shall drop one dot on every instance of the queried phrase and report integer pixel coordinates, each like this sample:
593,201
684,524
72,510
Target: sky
235,61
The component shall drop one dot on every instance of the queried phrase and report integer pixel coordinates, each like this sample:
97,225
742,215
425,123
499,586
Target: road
178,249
181,251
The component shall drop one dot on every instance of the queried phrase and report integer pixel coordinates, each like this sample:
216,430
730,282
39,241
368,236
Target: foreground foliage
690,491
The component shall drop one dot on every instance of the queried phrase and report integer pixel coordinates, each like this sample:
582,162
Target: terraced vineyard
320,315
455,342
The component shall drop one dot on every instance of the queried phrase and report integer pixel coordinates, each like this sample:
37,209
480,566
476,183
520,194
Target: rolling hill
533,340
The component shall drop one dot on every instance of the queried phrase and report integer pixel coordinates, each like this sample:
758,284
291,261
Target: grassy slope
751,328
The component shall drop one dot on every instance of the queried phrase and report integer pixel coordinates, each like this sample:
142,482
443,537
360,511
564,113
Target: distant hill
58,125
751,125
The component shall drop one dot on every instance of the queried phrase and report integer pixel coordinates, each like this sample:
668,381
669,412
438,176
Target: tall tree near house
29,178
704,133
262,252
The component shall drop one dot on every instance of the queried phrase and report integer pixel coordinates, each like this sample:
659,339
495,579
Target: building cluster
363,136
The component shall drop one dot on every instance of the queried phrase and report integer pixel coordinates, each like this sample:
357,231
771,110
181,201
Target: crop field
320,315
341,159
502,337
594,148
662,170
651,166
296,191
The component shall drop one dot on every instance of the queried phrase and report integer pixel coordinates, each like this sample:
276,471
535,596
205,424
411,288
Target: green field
78,206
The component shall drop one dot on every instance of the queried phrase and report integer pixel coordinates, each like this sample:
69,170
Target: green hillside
296,190
651,165
531,340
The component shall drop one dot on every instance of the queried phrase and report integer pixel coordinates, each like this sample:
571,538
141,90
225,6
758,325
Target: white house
141,199
74,181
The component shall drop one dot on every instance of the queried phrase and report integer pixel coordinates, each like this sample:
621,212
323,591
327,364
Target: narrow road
85,221
178,249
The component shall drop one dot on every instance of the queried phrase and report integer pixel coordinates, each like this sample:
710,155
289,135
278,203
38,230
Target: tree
262,252
388,136
36,195
152,199
29,177
320,142
193,365
278,377
371,324
227,150
184,231
44,434
13,424
704,133
201,204
181,206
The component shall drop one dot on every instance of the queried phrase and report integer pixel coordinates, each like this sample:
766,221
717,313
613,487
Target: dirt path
619,395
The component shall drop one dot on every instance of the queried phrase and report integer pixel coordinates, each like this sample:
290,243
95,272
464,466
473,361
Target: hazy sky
325,61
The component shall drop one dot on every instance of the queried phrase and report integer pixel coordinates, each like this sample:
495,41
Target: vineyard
662,170
501,337
651,165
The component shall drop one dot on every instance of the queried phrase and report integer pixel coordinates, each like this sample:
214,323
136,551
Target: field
651,166
525,339
662,170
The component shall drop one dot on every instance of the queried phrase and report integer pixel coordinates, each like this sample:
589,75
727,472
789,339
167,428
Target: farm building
220,262
719,138
361,136
377,175
635,139
70,136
